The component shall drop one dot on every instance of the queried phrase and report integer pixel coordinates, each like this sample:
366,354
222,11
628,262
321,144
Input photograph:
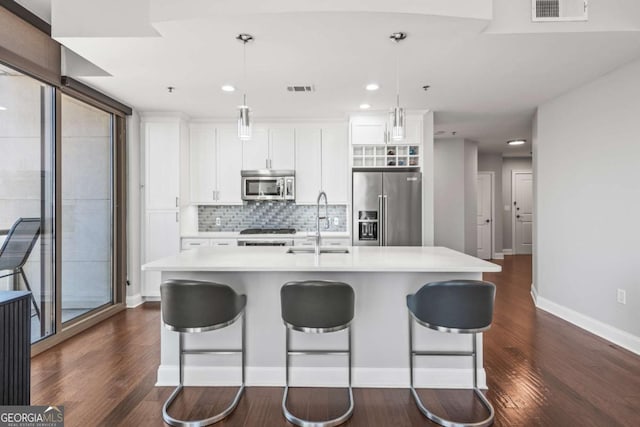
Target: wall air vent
559,10
301,88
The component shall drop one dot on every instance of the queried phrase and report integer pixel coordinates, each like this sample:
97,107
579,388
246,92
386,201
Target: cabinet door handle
177,218
177,202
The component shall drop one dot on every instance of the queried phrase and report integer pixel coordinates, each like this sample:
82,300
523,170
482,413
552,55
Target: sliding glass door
87,208
27,202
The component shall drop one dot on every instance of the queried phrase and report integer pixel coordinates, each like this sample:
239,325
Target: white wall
493,163
134,196
510,164
588,208
455,203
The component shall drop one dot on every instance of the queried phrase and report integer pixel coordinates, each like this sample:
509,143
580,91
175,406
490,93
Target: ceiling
484,86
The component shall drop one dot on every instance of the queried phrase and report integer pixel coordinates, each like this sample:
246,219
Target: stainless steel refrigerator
387,209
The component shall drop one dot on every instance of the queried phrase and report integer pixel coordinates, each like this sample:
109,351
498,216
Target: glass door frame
118,208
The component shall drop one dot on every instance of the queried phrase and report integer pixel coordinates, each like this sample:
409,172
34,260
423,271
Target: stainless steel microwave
268,184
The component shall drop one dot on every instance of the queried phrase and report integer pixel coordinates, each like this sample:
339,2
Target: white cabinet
375,129
269,149
229,164
255,152
162,153
369,129
161,239
195,243
336,241
322,162
224,242
282,148
308,164
202,165
335,164
216,161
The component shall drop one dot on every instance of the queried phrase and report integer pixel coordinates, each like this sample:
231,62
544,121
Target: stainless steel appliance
261,241
265,242
268,184
387,208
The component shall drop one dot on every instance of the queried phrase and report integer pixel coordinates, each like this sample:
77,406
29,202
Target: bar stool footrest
198,423
307,423
449,423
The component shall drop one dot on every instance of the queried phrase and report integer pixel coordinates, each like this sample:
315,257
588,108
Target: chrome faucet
318,218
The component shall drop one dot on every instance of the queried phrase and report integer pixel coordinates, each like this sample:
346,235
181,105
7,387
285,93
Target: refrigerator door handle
385,203
381,229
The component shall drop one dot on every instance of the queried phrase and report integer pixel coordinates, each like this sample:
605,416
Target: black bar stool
317,307
193,306
459,307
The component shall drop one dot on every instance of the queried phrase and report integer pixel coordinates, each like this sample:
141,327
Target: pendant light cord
397,73
244,66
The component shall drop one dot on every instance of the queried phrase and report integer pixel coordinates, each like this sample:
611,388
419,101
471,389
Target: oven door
262,188
263,242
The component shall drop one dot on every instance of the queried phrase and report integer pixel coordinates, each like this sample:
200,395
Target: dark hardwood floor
541,371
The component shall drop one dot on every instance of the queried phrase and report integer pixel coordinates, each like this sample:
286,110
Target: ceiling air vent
559,10
301,88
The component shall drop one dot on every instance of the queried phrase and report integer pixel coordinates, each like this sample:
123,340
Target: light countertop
237,235
359,259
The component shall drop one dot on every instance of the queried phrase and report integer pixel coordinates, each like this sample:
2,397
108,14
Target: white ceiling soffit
74,65
171,10
100,18
514,17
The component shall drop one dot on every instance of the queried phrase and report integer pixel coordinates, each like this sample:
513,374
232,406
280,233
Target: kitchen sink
310,250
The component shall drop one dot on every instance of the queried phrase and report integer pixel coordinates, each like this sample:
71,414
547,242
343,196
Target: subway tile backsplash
268,215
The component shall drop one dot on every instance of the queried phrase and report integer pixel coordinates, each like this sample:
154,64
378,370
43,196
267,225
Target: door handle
385,203
177,202
517,216
488,221
381,229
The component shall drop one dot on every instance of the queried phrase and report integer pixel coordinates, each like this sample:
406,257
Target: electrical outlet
622,296
336,220
218,221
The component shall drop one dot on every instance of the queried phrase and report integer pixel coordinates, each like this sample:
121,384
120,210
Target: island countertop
359,259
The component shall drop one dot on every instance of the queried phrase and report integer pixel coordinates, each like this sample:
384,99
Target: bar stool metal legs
193,306
218,417
317,307
433,417
457,307
306,423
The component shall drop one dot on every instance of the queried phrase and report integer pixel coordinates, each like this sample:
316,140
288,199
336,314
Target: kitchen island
381,278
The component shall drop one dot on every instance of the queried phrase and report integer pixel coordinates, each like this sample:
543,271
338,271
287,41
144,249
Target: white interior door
485,217
523,212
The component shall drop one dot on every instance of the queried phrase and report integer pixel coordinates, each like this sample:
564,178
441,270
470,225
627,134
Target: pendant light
244,121
397,114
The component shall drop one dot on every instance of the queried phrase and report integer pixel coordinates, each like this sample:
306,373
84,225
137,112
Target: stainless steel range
262,241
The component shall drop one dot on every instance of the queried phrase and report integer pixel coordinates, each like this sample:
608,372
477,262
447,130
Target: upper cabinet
162,166
269,149
202,161
335,163
375,129
215,164
282,153
309,164
369,129
322,163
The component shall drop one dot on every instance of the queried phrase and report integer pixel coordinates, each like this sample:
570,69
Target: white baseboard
134,300
507,251
608,332
498,255
321,377
534,294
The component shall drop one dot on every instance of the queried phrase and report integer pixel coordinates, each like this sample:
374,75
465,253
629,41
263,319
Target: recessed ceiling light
228,88
372,86
517,142
3,108
365,106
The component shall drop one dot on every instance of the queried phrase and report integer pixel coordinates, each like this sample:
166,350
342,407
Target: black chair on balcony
16,249
458,307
